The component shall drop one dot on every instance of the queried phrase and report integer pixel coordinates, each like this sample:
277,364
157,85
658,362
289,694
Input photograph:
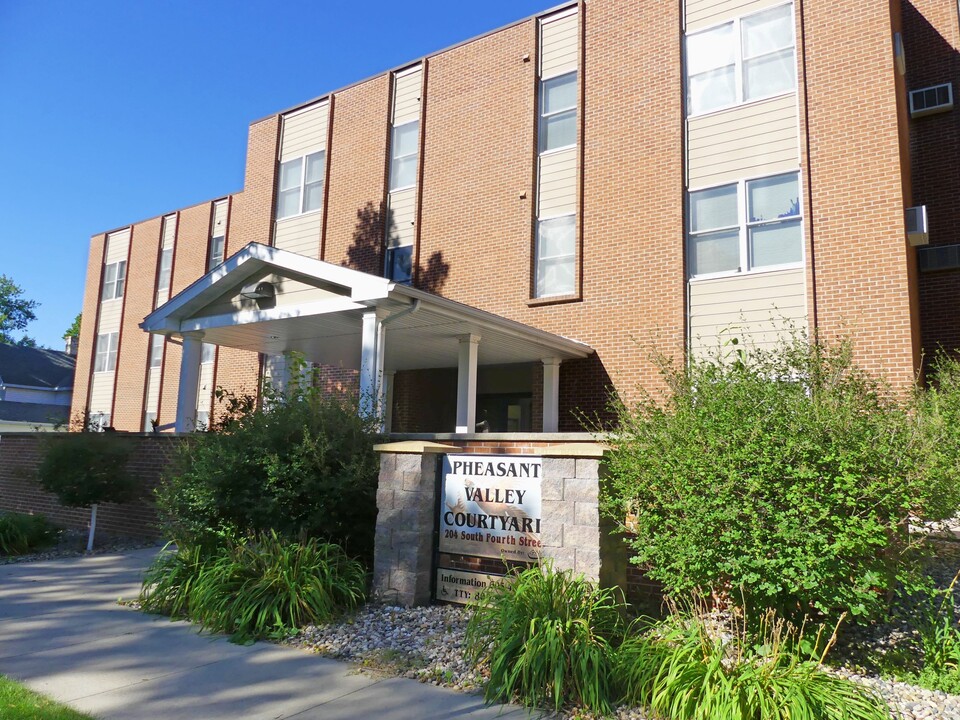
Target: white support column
551,394
368,363
467,384
189,387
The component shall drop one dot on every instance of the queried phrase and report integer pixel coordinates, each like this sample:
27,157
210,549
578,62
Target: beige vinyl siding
704,13
402,211
304,131
153,390
219,226
406,96
761,138
118,244
169,232
206,387
558,45
101,392
300,234
758,309
110,313
558,183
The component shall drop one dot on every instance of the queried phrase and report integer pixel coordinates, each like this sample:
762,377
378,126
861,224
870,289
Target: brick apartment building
499,232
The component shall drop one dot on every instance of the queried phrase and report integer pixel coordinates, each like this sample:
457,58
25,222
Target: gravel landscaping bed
72,543
424,644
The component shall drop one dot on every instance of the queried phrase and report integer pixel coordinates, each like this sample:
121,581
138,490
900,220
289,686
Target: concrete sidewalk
62,634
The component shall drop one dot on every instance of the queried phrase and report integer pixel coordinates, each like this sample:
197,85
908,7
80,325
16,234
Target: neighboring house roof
33,413
36,367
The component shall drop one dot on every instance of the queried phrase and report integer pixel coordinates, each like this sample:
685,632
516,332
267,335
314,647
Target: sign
459,586
490,506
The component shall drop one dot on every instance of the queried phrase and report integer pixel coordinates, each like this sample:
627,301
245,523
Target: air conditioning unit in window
930,100
916,221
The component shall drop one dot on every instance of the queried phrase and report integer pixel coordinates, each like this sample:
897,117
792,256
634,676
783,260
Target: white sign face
459,586
491,506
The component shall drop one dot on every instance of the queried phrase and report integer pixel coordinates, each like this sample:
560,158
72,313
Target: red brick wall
139,296
88,328
479,156
860,265
358,164
251,212
189,263
932,44
20,454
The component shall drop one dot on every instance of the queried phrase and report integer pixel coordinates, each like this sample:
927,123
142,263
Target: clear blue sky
113,111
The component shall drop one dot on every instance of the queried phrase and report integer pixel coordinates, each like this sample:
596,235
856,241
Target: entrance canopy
273,301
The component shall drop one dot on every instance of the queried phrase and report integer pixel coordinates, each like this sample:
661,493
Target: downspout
381,328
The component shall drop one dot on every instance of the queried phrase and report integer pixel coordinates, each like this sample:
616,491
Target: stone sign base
407,506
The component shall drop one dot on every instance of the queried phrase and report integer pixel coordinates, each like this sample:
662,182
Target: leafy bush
21,533
303,465
86,468
787,477
252,589
548,637
685,670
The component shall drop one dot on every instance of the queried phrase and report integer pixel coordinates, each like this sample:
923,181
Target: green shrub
548,638
787,477
303,465
684,669
253,589
21,533
86,468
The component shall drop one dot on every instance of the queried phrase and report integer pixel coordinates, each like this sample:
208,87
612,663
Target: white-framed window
208,351
300,185
156,350
745,226
148,420
404,141
99,421
203,421
114,276
218,245
746,59
558,112
106,355
556,252
166,269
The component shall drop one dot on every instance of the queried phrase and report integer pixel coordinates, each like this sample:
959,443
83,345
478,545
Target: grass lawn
18,703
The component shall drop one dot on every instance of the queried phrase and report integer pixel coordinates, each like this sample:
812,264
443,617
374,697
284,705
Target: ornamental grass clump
256,588
688,668
548,638
20,533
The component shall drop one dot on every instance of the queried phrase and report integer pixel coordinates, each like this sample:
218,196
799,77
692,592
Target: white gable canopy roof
317,309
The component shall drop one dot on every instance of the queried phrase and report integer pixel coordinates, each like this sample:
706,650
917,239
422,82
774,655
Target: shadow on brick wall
366,252
20,454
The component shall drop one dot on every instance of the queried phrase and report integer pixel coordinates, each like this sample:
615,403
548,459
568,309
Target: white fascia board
566,347
163,318
362,286
246,317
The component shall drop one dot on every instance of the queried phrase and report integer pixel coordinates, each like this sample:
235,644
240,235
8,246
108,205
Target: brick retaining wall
20,492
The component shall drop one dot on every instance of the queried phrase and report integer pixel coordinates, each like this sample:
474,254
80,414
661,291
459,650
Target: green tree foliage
302,465
86,468
785,478
16,312
74,329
